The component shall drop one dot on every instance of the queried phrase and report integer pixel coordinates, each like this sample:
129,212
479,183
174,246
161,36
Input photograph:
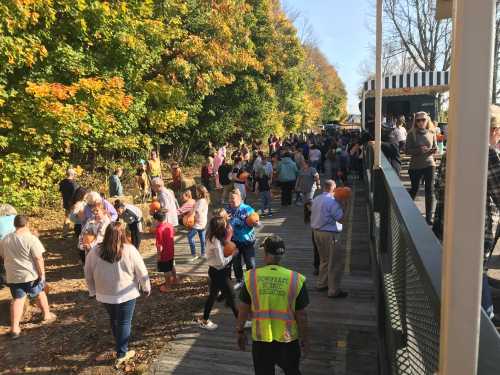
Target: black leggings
416,176
219,282
135,235
286,192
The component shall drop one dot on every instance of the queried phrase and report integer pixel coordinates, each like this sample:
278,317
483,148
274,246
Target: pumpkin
229,248
342,194
88,238
244,176
154,207
252,219
188,221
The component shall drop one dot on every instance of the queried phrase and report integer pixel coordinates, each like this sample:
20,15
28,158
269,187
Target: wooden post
470,95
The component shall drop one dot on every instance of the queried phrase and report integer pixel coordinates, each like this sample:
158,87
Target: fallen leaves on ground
80,341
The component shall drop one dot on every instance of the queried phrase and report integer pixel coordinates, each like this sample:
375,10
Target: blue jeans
486,297
192,245
316,165
265,199
247,251
120,315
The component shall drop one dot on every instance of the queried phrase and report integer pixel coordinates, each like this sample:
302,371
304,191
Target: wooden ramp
343,332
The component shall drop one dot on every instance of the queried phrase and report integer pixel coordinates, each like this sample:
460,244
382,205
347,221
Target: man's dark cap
273,245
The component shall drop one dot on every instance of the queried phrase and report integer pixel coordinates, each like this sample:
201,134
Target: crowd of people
217,211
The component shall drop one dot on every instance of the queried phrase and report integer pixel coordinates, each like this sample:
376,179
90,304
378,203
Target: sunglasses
420,120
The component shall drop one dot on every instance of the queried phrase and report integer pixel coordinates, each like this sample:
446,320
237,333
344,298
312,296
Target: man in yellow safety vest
276,297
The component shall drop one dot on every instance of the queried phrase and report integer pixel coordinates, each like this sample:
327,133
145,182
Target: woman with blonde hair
421,145
200,220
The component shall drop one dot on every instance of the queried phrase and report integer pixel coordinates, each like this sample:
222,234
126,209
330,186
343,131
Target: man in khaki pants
327,215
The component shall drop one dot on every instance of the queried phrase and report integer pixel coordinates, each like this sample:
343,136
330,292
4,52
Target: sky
340,29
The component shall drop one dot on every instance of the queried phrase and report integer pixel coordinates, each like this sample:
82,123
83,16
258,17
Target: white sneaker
209,325
238,285
126,357
194,259
248,324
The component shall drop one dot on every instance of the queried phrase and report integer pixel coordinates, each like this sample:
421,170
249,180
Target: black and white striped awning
412,80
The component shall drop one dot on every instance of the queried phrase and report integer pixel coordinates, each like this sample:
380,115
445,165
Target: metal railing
406,265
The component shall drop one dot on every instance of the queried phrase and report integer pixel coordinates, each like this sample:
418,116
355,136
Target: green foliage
25,182
87,80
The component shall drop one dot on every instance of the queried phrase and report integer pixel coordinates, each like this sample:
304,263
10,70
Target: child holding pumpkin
165,248
200,220
93,230
219,261
187,204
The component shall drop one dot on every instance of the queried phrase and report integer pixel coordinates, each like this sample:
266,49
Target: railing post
470,95
363,111
378,85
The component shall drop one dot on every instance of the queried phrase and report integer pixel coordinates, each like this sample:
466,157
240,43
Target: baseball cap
273,245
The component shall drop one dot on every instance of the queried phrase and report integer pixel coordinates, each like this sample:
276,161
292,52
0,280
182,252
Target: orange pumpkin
188,221
342,193
252,219
88,238
154,207
229,248
244,176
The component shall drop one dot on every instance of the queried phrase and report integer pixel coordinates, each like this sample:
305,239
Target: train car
404,95
404,105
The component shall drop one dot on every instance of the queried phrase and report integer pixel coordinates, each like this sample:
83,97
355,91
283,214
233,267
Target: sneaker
128,355
238,285
270,214
194,259
248,324
209,325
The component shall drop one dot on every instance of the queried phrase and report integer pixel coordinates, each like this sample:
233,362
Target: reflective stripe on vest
262,316
255,300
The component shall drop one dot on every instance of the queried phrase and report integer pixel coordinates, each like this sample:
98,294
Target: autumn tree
88,81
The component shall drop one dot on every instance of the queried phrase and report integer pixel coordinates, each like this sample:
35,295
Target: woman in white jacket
114,271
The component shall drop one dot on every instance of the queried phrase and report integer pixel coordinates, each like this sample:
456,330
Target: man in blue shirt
327,215
243,236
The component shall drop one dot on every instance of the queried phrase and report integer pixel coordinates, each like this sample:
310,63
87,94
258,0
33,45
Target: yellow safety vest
273,290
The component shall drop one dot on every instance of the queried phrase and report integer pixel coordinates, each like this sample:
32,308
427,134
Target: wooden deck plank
343,332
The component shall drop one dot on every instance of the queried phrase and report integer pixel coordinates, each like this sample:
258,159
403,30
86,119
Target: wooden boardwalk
343,332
